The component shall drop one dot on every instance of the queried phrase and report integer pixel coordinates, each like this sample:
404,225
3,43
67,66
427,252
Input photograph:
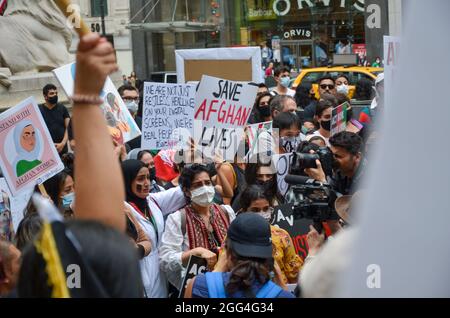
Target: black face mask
326,125
53,100
153,173
267,186
264,111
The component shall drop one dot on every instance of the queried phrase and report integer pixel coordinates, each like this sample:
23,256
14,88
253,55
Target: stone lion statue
34,37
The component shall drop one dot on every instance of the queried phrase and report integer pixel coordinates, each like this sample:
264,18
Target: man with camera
349,164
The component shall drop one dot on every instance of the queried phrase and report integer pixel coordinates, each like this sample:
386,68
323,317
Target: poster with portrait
27,154
121,124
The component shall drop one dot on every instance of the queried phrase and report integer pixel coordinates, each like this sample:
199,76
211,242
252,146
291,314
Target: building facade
298,33
117,16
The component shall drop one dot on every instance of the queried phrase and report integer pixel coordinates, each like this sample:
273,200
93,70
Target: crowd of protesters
137,215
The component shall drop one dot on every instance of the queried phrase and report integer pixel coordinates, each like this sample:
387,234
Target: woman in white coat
150,210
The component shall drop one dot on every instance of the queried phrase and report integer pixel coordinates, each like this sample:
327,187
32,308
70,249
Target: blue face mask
285,81
67,200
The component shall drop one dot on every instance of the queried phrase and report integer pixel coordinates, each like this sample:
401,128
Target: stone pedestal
24,86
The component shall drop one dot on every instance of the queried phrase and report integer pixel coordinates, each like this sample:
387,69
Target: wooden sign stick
80,27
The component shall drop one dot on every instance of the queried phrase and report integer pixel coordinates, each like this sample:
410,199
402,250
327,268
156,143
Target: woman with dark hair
61,189
261,110
256,201
246,266
149,209
264,174
303,95
199,229
28,228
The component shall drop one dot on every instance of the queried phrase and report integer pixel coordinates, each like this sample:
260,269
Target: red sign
360,49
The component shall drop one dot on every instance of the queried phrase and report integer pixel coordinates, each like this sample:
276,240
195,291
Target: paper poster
120,123
168,115
27,153
339,119
7,232
282,163
195,267
222,109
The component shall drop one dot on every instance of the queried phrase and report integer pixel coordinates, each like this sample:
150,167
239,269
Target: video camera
303,159
311,200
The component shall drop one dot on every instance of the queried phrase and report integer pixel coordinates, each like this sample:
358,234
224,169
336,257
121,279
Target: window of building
96,8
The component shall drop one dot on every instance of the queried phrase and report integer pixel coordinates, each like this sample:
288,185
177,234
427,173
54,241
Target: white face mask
343,89
203,196
267,215
132,107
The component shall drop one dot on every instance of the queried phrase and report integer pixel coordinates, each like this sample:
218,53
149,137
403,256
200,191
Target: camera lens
307,161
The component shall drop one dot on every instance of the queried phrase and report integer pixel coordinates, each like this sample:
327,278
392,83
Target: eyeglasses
131,100
325,86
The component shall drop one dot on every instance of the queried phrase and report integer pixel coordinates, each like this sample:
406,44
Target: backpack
216,288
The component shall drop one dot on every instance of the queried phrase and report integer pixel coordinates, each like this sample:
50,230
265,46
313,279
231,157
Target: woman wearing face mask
197,230
149,209
61,189
261,109
288,127
255,200
263,174
324,114
342,84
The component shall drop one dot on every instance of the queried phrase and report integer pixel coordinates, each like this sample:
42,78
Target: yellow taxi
354,74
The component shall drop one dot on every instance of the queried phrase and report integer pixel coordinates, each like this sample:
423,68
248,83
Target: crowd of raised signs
173,218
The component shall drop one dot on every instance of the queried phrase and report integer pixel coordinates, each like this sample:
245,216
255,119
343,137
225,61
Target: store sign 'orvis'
283,7
297,33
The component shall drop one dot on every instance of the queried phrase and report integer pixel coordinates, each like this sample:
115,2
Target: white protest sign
222,109
27,153
168,115
283,165
391,61
121,124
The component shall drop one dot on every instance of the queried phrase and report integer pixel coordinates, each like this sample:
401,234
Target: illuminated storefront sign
283,7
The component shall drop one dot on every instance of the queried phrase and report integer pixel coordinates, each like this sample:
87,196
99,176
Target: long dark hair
55,185
252,193
256,118
246,272
303,96
250,177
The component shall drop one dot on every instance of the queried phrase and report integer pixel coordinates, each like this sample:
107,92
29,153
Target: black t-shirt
55,120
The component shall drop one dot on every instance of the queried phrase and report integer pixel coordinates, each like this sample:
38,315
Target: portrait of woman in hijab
28,148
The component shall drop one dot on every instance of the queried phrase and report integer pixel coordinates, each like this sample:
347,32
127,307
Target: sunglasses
325,86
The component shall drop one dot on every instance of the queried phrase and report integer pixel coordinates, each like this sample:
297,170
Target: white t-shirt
290,92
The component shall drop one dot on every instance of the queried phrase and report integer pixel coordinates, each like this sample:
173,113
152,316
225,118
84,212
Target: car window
358,76
313,77
172,78
157,78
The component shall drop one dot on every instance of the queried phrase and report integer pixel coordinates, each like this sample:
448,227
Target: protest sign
15,205
254,132
283,166
391,62
27,154
339,119
237,64
195,267
222,109
7,232
168,115
121,124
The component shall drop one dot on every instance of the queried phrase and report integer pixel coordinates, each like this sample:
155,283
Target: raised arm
100,189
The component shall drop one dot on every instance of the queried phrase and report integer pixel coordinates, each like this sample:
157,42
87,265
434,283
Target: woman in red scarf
199,229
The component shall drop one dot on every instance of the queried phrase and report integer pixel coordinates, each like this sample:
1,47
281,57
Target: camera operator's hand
315,241
317,173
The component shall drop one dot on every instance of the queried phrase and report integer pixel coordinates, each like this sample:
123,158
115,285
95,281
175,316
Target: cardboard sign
391,62
339,119
222,109
195,267
121,124
27,153
238,64
168,115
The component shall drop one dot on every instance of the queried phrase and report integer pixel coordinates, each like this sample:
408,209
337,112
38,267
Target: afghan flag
3,5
